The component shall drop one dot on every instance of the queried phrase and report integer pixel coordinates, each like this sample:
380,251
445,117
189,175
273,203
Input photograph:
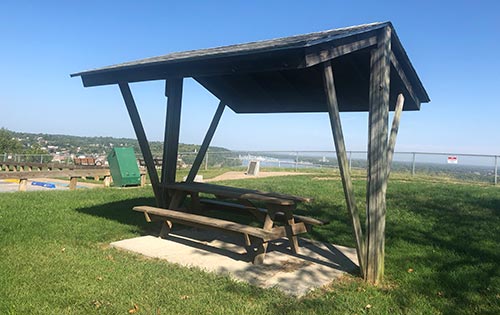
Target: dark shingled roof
279,75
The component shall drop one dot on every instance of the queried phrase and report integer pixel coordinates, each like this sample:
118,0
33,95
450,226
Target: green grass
442,254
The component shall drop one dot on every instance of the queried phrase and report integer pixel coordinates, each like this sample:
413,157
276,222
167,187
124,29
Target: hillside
69,144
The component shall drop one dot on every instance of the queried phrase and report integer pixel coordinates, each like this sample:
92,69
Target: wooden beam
394,132
333,111
23,183
73,182
141,137
263,62
206,142
377,156
173,91
404,79
314,57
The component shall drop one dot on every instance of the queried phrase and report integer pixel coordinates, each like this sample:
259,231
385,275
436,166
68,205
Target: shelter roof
280,75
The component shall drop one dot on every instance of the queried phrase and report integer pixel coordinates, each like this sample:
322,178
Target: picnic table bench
278,209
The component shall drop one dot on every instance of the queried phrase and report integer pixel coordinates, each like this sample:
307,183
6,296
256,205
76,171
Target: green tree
8,144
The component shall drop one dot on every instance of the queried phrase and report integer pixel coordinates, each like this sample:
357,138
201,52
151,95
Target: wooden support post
173,91
350,161
141,137
338,136
23,184
377,156
394,132
206,161
166,227
107,181
72,182
206,142
143,179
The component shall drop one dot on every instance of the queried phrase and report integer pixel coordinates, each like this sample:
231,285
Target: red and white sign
452,160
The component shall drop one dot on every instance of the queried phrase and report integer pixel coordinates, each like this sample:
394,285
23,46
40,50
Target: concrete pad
316,265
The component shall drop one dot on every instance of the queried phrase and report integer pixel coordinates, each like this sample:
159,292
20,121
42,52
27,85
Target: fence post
413,165
296,160
496,169
41,159
350,160
206,161
5,157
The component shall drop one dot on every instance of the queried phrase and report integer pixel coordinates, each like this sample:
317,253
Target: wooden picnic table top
239,193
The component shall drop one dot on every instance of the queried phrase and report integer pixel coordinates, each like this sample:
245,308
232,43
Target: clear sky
453,45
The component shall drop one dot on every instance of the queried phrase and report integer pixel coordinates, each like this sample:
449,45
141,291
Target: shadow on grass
121,211
448,234
457,243
326,256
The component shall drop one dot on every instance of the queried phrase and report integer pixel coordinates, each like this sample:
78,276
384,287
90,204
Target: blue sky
453,45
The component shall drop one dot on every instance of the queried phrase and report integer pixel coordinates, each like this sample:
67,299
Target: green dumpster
123,167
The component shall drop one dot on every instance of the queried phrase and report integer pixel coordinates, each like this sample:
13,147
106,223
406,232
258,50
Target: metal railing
27,158
463,166
475,167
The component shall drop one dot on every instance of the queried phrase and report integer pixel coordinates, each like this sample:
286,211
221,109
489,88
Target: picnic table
277,216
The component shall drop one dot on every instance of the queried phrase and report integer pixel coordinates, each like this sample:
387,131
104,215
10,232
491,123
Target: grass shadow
121,211
456,236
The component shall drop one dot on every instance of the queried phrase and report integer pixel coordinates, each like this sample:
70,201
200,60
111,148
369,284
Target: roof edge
302,43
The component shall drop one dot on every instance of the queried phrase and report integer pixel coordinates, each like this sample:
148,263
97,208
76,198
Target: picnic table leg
294,243
289,224
269,221
195,202
176,200
256,249
165,229
253,210
260,253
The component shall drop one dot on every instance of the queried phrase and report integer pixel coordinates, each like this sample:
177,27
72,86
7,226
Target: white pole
206,161
413,165
350,160
496,169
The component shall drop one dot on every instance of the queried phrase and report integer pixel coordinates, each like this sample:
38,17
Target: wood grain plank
340,149
377,157
394,132
206,142
404,79
203,221
173,92
141,137
58,173
237,193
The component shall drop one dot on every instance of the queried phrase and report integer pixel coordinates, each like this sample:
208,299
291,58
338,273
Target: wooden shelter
360,68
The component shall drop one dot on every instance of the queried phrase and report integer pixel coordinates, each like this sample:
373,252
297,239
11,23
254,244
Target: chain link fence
471,167
461,166
26,158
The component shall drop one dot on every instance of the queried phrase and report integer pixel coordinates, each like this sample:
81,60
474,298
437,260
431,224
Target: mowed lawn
442,254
